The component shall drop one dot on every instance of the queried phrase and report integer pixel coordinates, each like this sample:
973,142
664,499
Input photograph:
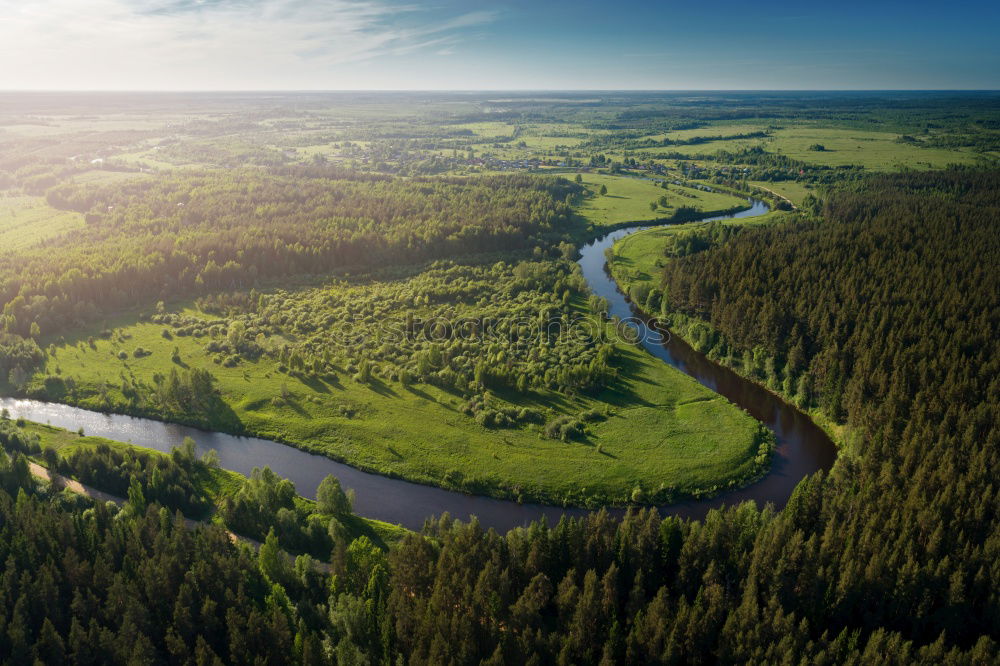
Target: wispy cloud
219,43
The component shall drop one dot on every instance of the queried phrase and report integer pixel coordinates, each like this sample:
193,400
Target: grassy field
219,483
628,200
716,130
26,220
487,129
795,192
666,432
879,151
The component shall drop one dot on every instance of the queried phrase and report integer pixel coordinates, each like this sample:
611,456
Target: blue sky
518,44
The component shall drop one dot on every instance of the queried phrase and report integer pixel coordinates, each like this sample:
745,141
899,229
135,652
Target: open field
26,220
715,130
707,148
794,191
878,151
665,432
628,200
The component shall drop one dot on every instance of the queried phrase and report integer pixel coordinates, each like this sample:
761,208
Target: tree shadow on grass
293,403
381,388
314,383
420,393
620,397
358,527
630,368
533,398
220,415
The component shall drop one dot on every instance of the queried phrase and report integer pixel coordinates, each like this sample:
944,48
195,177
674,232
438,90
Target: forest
163,238
400,291
910,513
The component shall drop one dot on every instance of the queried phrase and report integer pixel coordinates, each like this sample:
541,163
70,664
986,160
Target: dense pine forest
886,311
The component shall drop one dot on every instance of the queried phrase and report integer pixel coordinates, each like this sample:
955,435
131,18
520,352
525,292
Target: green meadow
659,434
878,151
794,191
628,200
26,220
874,150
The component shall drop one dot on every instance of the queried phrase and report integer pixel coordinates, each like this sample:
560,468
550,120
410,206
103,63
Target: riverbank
217,485
634,263
644,435
798,451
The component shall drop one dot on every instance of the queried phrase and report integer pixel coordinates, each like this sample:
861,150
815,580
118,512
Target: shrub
592,415
564,428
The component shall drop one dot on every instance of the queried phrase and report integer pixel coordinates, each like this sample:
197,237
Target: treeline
176,481
889,310
266,504
740,587
261,506
97,586
883,316
87,583
982,139
18,356
184,234
744,585
189,395
909,299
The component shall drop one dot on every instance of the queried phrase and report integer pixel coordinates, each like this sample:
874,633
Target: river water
802,448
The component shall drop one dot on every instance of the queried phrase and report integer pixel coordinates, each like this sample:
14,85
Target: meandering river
802,448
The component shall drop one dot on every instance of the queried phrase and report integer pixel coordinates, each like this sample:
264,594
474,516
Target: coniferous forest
410,294
897,545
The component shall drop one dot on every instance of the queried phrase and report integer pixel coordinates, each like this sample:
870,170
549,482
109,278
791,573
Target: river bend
802,448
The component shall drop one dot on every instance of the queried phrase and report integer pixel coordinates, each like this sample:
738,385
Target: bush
54,386
564,428
592,415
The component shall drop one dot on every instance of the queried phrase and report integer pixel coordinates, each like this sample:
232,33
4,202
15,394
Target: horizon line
484,90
